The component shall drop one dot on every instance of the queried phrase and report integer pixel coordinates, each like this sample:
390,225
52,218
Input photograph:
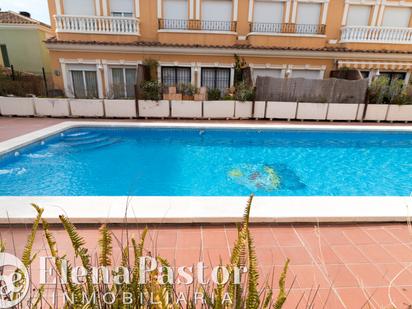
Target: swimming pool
125,161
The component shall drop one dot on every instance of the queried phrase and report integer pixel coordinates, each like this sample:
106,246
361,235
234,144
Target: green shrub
384,91
244,92
378,90
152,90
214,94
186,89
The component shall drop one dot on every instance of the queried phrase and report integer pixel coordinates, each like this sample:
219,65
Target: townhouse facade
99,43
19,33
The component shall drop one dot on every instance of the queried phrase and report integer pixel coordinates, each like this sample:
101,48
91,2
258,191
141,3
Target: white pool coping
193,209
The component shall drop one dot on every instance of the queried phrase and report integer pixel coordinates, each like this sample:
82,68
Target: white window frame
60,6
281,67
294,10
374,4
199,67
110,77
121,12
392,5
252,9
321,69
191,65
108,64
68,65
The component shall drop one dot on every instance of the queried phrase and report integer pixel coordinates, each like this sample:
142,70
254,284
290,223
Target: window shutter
308,74
358,15
175,9
268,12
266,73
121,6
308,13
79,7
396,17
5,56
219,10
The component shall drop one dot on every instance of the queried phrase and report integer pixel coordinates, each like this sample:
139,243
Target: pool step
80,137
92,146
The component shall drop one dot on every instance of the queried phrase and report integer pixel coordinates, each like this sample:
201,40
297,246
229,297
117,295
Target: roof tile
9,17
54,40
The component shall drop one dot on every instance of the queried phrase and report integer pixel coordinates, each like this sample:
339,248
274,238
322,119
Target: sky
37,8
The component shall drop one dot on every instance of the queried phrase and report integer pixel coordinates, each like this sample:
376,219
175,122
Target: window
121,8
308,13
358,15
175,13
308,74
175,9
173,76
79,7
267,16
5,56
268,12
123,83
396,17
266,73
308,18
84,84
393,75
217,15
215,78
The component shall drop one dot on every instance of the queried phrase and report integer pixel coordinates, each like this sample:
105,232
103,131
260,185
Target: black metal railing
288,28
204,25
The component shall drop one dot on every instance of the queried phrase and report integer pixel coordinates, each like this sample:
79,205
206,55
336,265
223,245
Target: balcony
310,29
367,34
97,25
199,25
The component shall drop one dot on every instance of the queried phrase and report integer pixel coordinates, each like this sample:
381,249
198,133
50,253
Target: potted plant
187,90
213,94
151,90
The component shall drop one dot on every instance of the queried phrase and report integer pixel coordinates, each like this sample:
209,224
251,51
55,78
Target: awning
370,65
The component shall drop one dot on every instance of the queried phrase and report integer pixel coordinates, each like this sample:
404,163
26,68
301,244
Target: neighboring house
99,43
22,43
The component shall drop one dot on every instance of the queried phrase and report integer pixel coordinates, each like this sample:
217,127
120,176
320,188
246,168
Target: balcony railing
201,25
287,28
367,34
97,24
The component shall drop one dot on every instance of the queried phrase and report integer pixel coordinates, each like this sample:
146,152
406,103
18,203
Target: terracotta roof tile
9,17
54,40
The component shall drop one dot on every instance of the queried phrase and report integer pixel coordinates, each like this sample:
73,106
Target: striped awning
370,65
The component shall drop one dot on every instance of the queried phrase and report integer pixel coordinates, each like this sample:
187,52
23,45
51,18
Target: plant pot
52,107
120,108
187,97
187,109
281,110
154,109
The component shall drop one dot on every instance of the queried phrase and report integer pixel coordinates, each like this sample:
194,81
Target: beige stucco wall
26,49
148,16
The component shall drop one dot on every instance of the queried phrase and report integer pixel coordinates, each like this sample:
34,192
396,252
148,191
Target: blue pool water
194,162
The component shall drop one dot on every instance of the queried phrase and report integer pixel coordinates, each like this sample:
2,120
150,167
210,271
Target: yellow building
99,43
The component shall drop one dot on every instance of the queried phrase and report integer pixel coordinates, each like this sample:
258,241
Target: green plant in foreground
214,94
244,92
247,294
151,90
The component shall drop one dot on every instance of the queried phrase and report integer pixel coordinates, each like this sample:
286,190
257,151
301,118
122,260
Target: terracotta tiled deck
346,266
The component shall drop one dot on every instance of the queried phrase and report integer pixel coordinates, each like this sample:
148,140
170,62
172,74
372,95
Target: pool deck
355,265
